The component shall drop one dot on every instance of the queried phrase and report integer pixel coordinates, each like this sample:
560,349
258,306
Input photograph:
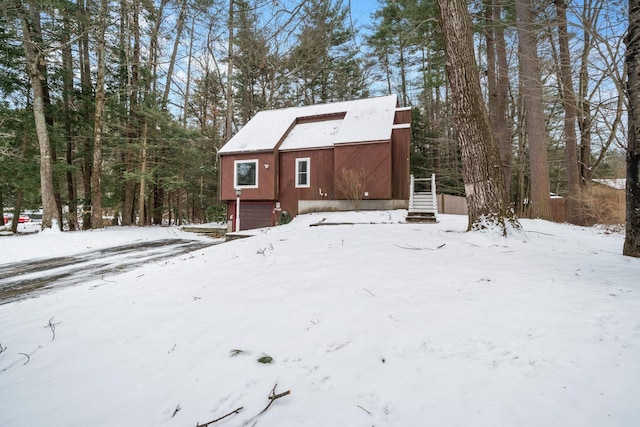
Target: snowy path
27,279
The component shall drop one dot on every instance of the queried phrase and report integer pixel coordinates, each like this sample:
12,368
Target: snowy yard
380,323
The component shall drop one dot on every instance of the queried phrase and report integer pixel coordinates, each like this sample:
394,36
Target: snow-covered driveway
24,279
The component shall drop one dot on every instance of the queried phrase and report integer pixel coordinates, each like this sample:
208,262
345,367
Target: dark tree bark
570,114
498,85
487,199
589,12
34,57
632,60
67,107
17,207
133,125
86,111
35,11
229,92
96,177
531,88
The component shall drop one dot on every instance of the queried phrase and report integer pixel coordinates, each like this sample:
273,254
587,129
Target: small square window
303,176
245,174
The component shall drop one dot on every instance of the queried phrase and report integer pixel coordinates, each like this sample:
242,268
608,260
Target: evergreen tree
324,61
253,64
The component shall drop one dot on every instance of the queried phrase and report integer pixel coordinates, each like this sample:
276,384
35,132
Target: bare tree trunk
403,76
570,114
133,119
632,61
174,53
143,172
87,108
487,199
67,106
96,176
187,90
590,11
229,94
17,207
36,38
388,71
498,78
148,120
33,56
531,86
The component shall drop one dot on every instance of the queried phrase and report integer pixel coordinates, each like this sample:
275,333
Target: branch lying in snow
176,411
221,418
273,396
27,356
53,328
414,248
2,349
364,410
263,250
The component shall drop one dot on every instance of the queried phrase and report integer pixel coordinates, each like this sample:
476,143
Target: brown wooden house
289,161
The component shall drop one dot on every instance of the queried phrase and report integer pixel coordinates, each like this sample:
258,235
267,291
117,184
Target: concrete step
421,217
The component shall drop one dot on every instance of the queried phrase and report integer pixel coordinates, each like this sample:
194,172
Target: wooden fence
598,208
455,205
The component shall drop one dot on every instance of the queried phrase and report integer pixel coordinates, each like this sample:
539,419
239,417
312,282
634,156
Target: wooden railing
422,195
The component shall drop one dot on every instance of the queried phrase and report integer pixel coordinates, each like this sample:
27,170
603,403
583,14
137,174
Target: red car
21,219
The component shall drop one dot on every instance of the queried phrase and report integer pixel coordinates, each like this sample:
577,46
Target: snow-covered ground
380,323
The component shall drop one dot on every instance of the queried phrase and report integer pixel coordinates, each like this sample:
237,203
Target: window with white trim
245,174
303,175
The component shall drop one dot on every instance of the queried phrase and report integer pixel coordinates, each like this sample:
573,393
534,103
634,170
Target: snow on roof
617,184
364,120
312,135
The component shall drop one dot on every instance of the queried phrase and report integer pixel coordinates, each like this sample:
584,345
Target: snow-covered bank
385,324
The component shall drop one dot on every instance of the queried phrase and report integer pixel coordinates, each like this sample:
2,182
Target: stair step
421,217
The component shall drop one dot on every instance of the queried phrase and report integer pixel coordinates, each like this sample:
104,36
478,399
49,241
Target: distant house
295,160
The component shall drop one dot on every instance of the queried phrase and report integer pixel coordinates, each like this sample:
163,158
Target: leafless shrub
351,184
600,205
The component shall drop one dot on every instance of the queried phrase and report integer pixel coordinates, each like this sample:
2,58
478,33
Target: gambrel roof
363,120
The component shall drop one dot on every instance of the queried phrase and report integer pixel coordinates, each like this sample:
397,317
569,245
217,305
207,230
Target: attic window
245,174
302,172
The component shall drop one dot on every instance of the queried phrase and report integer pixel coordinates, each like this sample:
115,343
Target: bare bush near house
351,184
596,207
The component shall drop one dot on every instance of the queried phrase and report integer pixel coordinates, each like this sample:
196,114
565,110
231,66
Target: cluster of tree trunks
140,139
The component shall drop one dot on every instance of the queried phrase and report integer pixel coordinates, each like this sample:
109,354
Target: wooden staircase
423,204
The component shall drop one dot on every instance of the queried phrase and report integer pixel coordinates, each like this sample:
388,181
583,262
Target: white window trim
308,161
235,173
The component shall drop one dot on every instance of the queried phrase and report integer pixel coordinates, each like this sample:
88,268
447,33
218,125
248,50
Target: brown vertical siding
400,157
403,115
374,159
266,177
321,178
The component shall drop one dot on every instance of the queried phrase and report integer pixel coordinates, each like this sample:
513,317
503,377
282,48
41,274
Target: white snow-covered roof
312,135
364,120
617,184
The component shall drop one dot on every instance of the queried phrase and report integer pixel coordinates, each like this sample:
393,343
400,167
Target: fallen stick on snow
221,418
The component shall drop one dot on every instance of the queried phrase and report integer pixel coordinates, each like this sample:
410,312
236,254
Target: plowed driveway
29,278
